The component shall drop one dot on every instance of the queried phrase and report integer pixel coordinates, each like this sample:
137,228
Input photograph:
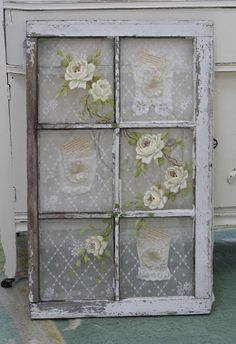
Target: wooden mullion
116,169
61,215
158,124
73,126
159,213
32,168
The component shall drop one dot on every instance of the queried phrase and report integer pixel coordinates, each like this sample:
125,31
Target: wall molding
102,5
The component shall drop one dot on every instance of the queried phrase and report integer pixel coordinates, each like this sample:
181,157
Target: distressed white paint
204,206
7,227
159,124
160,213
119,28
128,307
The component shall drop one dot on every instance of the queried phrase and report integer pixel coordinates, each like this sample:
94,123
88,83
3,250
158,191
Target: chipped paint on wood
128,307
30,50
204,158
158,124
32,168
111,28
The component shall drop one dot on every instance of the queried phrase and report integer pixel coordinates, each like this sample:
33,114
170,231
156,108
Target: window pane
156,79
75,80
76,259
156,169
157,259
75,168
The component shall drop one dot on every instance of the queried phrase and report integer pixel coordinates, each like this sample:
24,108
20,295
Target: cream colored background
13,112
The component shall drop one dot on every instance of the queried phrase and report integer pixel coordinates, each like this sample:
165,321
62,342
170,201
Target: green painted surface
217,328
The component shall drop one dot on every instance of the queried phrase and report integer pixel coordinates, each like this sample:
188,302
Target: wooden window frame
202,35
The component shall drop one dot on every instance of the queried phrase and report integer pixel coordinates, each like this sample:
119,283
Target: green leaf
167,149
107,253
101,268
139,205
132,142
86,258
78,263
98,280
64,63
139,195
160,161
82,230
59,52
96,78
137,171
139,200
65,91
109,101
189,167
136,233
82,251
59,93
158,185
117,206
138,224
97,52
164,136
179,141
128,204
83,100
172,196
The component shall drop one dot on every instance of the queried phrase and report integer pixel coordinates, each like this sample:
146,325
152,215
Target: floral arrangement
157,149
82,74
93,247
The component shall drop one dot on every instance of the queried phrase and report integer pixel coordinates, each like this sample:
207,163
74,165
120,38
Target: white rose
95,245
155,198
101,90
176,178
149,147
78,73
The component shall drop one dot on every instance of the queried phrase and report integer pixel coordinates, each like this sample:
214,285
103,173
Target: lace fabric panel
155,172
69,109
75,168
156,79
159,261
61,276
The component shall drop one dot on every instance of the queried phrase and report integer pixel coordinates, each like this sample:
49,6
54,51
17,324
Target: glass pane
156,79
156,169
75,80
76,259
75,168
156,257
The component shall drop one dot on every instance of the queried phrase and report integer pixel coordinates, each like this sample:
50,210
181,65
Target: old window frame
202,35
